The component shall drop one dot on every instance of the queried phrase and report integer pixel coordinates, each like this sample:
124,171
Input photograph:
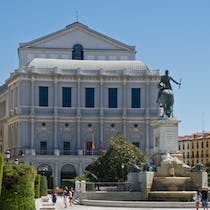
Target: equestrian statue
165,95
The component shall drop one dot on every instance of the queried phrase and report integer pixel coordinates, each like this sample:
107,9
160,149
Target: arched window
77,53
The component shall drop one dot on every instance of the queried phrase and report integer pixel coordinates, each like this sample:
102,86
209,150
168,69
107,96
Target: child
197,199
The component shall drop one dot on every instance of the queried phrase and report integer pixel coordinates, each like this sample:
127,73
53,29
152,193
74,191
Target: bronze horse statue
165,95
166,101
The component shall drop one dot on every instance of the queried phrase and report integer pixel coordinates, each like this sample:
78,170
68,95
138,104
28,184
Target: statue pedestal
165,135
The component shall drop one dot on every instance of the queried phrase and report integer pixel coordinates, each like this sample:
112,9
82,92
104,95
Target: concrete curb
141,204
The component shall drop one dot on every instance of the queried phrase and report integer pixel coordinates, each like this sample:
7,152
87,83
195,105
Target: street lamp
123,166
16,161
7,156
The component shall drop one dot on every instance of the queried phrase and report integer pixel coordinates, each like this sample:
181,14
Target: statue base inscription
165,135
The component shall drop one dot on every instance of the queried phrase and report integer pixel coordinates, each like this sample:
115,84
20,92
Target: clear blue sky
168,34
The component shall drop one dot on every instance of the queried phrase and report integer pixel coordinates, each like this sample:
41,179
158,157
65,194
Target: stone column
57,175
102,131
78,97
56,150
78,134
147,134
18,98
78,141
125,97
55,96
77,186
83,186
101,97
32,137
32,95
147,97
124,127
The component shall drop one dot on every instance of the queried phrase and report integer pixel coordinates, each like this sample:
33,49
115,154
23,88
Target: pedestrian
54,198
57,190
197,199
65,196
204,198
71,196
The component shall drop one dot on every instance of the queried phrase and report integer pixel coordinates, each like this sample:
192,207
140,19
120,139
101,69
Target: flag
93,143
101,146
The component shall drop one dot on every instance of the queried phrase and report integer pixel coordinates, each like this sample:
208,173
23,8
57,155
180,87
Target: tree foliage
108,167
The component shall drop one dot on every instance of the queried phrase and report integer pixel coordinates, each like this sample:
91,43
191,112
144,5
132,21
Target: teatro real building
72,91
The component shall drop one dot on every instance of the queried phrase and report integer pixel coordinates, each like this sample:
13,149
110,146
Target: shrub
18,187
43,186
1,170
68,182
37,186
90,186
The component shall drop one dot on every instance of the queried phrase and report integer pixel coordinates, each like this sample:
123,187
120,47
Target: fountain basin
172,184
182,196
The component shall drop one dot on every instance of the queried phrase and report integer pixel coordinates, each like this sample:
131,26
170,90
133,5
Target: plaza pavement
121,205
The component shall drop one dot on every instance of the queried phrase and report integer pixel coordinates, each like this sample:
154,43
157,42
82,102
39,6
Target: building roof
43,63
196,136
71,27
3,88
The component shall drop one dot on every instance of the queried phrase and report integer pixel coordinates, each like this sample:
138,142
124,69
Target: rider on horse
164,84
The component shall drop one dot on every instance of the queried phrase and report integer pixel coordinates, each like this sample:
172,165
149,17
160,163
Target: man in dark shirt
204,198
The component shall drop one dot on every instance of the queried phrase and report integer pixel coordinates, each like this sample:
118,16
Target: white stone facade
56,137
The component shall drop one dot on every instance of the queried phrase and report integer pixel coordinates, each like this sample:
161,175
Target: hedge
37,186
43,186
68,182
51,184
1,170
18,188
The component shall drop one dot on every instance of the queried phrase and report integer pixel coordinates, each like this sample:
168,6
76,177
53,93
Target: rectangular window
112,97
66,96
43,96
137,144
135,97
89,147
43,148
89,97
66,147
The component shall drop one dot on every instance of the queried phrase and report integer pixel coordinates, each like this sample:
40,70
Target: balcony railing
27,151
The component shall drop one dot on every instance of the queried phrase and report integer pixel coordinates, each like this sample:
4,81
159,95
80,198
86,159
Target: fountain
175,181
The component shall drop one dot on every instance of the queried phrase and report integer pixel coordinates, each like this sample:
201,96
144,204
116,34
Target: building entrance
68,171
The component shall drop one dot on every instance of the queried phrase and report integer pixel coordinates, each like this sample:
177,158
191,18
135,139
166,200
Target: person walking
65,196
54,198
70,197
204,198
197,199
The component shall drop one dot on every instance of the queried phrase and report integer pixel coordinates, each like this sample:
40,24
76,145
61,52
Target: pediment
77,33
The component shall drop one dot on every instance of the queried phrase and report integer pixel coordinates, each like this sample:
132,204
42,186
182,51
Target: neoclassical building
72,91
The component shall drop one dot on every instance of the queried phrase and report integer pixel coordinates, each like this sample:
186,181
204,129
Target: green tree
108,167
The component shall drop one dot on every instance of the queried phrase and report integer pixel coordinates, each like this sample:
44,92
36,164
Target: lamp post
7,156
123,166
16,161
